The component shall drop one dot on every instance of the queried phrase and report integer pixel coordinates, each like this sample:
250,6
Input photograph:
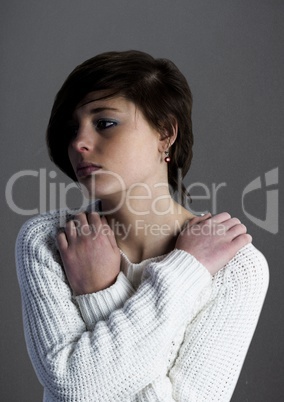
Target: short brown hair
155,86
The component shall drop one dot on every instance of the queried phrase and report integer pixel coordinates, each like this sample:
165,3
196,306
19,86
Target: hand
213,240
89,253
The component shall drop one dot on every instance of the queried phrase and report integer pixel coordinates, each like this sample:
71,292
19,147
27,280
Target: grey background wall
232,54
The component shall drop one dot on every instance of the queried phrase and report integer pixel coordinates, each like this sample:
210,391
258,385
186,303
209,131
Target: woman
135,299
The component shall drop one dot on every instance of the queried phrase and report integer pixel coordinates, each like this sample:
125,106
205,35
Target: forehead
96,96
103,98
99,101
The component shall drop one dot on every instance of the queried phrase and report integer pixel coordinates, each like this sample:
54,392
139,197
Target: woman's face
114,149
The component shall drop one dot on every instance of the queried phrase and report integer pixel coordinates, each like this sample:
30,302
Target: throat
144,240
141,237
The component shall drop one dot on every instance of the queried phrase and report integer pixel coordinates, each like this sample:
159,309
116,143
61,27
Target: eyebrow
96,110
102,109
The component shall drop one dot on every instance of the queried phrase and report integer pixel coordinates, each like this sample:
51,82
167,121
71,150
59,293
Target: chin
104,192
102,185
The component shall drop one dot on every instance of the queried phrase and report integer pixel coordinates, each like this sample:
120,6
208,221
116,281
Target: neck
145,226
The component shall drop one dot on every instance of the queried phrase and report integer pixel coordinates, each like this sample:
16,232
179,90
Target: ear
168,136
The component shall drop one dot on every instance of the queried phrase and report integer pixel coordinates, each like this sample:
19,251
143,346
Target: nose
84,140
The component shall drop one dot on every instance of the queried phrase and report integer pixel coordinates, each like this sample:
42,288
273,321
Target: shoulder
247,271
44,227
41,227
36,244
38,262
36,240
249,258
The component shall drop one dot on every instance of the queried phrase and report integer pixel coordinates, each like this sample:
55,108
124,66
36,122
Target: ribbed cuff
180,265
98,306
180,273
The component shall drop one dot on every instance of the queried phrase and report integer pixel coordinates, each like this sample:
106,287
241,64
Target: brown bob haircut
155,86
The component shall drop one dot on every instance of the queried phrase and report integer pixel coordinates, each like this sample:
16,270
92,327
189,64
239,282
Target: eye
104,124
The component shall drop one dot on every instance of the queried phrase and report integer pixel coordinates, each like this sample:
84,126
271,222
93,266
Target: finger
197,219
219,218
241,241
70,230
231,223
109,232
82,224
61,241
205,216
237,230
94,220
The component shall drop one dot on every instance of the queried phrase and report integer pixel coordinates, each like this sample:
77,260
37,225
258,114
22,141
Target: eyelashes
104,124
99,124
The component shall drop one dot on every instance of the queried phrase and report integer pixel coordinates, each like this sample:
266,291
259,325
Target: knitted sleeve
216,341
98,306
119,356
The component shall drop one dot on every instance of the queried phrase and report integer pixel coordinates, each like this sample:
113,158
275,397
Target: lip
84,169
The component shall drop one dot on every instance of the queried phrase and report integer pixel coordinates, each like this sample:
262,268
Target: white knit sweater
165,331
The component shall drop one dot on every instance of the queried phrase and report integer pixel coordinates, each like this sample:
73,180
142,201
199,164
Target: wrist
94,286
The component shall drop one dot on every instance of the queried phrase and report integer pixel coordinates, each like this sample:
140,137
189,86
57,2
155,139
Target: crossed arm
123,356
216,336
217,339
